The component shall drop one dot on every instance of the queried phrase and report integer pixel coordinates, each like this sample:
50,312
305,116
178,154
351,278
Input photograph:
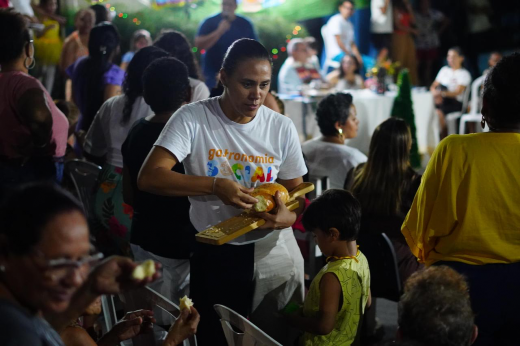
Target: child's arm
323,323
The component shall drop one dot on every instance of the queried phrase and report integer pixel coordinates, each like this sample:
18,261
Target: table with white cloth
372,110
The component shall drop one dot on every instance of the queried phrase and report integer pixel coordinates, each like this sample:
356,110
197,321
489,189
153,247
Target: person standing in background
216,34
338,35
382,27
403,46
430,25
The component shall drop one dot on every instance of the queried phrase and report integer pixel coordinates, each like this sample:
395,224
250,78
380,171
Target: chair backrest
249,334
153,298
465,100
384,274
476,95
84,176
321,184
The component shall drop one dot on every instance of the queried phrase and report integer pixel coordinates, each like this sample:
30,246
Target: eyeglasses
59,268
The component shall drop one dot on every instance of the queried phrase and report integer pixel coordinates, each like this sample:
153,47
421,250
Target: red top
15,134
404,19
4,3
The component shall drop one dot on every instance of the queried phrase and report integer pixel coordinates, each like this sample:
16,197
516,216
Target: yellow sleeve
433,211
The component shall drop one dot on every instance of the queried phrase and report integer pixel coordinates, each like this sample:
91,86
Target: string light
194,49
120,14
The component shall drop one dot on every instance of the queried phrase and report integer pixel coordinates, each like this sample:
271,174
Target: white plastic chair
321,184
451,118
474,115
250,334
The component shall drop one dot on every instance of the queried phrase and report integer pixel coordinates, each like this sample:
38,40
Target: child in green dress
334,307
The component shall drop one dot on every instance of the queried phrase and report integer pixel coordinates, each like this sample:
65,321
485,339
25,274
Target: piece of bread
185,303
144,270
265,196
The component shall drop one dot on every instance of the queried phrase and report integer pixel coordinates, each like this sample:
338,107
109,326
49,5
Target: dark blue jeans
36,169
495,298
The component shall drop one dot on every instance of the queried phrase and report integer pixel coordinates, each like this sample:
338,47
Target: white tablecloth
372,110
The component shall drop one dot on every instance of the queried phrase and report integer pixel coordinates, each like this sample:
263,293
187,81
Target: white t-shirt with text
210,144
451,79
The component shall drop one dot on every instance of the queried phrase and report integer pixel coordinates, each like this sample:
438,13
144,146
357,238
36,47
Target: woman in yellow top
334,308
466,213
48,43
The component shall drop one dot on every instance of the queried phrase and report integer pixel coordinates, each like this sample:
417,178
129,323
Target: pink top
13,133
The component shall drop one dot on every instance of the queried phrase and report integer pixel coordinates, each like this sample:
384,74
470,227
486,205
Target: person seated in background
312,50
166,88
140,39
347,76
340,293
435,310
296,70
465,214
177,45
449,87
494,58
385,186
328,156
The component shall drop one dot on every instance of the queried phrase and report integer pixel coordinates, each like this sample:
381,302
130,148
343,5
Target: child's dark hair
334,209
333,108
133,84
177,45
242,50
166,85
24,215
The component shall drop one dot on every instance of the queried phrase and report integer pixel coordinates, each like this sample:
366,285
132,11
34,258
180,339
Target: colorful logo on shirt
243,172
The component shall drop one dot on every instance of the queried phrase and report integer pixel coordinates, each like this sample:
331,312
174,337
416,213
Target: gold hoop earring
340,133
483,123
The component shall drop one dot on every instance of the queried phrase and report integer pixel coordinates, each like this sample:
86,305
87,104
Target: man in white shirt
297,69
381,26
338,35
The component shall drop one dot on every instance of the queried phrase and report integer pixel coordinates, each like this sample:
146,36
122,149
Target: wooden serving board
236,226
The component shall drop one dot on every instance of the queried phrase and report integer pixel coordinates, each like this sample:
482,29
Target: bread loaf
265,196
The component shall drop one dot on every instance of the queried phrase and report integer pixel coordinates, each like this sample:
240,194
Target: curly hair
502,93
166,85
333,108
435,308
133,84
177,45
14,35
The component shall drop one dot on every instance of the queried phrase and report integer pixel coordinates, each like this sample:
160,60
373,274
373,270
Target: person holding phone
216,34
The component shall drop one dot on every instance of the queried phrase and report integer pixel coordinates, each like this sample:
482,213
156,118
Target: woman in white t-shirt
328,156
103,146
228,145
449,86
177,45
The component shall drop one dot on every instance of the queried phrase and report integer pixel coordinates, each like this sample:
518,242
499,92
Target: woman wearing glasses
46,268
33,131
